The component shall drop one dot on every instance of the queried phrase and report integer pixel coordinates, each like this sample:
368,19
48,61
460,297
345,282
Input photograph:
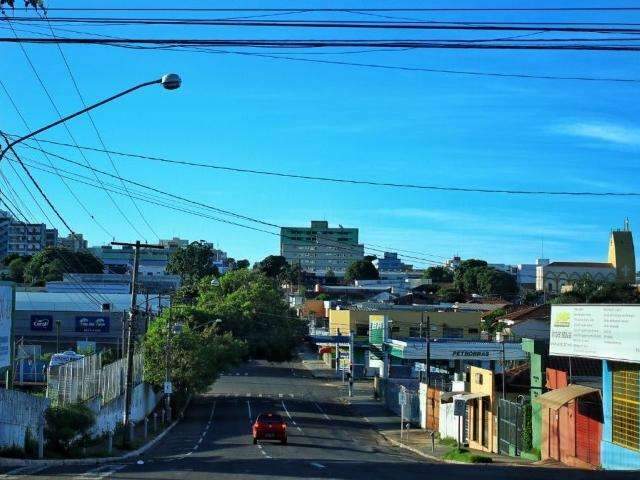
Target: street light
170,81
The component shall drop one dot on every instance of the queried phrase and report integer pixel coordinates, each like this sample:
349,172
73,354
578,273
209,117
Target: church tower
622,254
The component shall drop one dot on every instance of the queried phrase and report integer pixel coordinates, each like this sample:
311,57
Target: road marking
366,419
237,374
299,429
291,395
287,411
260,395
246,374
249,409
20,471
248,395
318,465
322,411
260,446
199,441
101,472
196,447
280,395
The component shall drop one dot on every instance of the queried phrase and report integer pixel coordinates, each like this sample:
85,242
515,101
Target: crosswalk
257,395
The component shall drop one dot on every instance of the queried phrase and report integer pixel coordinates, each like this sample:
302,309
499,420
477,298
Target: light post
57,336
170,81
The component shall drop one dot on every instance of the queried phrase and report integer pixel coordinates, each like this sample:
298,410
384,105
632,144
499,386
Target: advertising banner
89,324
6,312
41,323
608,332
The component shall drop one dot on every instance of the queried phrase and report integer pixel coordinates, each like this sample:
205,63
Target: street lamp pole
170,81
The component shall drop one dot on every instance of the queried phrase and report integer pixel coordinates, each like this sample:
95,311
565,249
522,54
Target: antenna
542,248
627,227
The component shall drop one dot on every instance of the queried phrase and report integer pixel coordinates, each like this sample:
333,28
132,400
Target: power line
68,130
95,128
350,181
333,244
312,43
338,9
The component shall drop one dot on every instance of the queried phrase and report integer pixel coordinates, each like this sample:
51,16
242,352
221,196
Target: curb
18,462
416,451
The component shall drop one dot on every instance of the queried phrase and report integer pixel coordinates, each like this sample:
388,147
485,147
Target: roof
537,311
581,264
91,301
561,396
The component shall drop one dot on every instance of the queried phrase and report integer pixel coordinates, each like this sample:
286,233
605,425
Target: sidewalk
417,440
317,367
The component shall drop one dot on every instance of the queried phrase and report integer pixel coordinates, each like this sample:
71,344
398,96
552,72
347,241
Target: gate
510,423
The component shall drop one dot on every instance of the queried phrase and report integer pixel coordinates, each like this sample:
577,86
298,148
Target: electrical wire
95,128
349,181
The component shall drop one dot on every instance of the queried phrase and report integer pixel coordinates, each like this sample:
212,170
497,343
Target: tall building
74,242
320,248
24,238
391,263
622,255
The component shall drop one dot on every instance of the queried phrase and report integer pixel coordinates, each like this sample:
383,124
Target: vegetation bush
464,455
66,426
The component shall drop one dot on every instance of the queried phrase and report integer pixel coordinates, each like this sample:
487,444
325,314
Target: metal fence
84,379
510,426
412,401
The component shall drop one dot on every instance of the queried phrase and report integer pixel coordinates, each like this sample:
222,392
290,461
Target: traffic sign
168,388
402,396
459,407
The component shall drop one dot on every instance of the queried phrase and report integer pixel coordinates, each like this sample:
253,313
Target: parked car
270,426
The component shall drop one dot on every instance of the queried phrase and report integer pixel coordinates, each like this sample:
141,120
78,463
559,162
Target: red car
270,426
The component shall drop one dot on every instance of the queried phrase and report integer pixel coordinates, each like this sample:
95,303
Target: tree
16,269
450,295
193,262
495,282
66,425
240,264
458,276
439,274
52,262
273,266
199,352
590,291
330,277
361,270
252,308
370,258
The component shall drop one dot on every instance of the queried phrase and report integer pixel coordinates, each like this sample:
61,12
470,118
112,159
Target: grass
448,441
463,455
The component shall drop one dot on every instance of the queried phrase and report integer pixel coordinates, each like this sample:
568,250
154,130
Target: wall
537,379
18,412
402,320
612,456
108,416
485,387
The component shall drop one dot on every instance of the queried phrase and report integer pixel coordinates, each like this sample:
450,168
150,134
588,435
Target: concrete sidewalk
416,440
317,367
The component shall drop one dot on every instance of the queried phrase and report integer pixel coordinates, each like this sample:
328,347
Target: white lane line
196,447
318,465
299,429
199,441
287,411
291,395
101,472
20,471
366,419
249,409
322,411
267,456
260,446
280,395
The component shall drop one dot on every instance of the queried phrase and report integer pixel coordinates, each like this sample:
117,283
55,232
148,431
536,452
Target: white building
552,277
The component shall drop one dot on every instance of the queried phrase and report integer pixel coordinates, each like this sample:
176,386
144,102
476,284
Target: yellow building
622,254
482,412
406,323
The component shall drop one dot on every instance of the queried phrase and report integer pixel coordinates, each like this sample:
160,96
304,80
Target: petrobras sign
377,329
457,350
6,314
609,332
91,324
41,323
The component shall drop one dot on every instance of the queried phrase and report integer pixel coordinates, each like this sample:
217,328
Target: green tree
459,274
590,291
495,282
193,262
252,308
240,264
273,266
438,274
449,295
11,257
330,277
52,262
66,425
16,269
199,352
361,270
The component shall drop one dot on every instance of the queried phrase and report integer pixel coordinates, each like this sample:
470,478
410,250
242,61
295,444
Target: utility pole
427,365
147,316
128,392
167,372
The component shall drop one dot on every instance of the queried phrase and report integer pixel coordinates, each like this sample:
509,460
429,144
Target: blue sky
352,122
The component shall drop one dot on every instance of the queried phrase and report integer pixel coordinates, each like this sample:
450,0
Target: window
626,405
362,330
473,331
448,332
395,329
414,331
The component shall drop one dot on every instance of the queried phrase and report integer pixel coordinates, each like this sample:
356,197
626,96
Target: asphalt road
325,440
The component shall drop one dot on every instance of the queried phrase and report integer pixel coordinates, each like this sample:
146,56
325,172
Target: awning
561,396
324,350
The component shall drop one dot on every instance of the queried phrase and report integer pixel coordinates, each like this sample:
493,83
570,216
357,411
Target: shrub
13,451
464,455
66,425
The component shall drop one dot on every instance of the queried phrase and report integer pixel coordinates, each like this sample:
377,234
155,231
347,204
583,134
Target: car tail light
284,426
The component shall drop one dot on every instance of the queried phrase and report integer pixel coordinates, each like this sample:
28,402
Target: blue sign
41,323
92,324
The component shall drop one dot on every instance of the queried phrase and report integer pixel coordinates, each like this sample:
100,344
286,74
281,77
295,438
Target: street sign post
168,388
402,400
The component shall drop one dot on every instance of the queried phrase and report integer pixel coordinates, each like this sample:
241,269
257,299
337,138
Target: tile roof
581,264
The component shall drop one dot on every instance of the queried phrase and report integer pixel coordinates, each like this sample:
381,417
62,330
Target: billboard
90,324
608,332
41,323
6,311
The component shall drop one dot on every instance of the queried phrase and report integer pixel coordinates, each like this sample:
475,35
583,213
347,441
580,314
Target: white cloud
606,132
